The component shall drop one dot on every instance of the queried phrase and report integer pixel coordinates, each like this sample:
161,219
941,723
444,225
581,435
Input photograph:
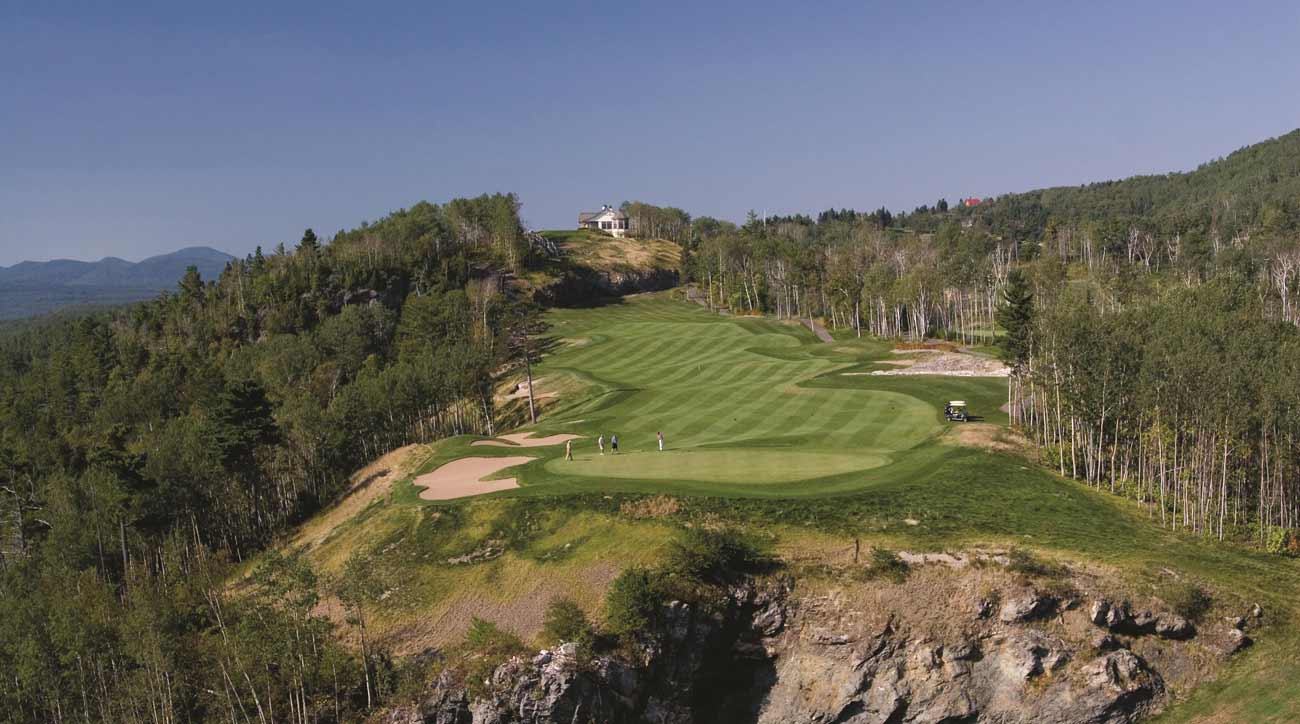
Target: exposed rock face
1118,618
1023,606
768,656
581,286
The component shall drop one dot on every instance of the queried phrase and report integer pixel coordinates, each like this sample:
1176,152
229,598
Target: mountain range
36,287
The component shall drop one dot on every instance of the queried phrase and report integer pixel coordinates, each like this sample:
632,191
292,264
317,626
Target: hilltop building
607,219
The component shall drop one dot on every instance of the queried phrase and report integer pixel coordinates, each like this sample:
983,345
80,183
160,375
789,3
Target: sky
136,128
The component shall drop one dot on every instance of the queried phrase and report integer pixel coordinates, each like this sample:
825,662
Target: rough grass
602,252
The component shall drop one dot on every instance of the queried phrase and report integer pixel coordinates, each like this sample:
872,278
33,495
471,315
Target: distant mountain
36,287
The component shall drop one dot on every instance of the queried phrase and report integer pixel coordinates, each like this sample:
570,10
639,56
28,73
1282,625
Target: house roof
606,213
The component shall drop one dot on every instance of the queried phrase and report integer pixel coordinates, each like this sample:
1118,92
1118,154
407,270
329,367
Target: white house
607,219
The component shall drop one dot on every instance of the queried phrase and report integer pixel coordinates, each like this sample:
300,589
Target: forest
144,451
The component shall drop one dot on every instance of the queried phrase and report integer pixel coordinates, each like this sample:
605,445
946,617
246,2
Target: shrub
566,621
708,556
1282,541
886,564
486,638
632,603
1187,600
485,646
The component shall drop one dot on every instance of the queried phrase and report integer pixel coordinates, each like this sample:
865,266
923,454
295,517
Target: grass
603,252
766,433
748,407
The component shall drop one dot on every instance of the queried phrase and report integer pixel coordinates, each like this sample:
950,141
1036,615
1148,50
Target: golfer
600,443
613,443
568,450
660,435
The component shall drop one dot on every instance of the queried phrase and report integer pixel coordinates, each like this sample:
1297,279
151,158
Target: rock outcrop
766,655
581,286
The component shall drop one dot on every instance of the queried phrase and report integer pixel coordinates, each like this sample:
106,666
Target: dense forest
1255,190
144,451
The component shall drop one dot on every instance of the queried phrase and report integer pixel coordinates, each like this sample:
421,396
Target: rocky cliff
955,642
582,286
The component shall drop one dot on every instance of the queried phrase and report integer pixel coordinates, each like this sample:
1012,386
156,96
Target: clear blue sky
132,128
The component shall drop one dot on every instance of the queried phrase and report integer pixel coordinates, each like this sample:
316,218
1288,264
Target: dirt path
460,478
525,439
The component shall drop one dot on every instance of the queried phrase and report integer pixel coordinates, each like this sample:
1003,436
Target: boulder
1098,611
1233,640
1171,626
1023,606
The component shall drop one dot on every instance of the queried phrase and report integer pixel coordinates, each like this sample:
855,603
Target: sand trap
950,364
463,477
526,439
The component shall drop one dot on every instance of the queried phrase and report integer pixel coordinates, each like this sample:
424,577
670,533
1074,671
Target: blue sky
134,128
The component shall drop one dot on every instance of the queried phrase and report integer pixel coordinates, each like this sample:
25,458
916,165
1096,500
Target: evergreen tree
1016,315
309,242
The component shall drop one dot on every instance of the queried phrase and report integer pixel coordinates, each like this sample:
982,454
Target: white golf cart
955,411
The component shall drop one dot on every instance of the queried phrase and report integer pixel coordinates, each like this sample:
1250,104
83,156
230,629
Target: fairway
747,407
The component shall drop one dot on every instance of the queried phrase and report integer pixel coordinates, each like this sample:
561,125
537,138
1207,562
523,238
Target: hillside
31,288
592,264
1256,187
606,253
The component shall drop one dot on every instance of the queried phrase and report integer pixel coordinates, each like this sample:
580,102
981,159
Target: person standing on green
613,443
568,450
600,443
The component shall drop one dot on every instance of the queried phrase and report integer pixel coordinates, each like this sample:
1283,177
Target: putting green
756,467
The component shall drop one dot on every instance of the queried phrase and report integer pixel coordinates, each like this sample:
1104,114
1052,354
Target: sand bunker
950,364
463,477
525,439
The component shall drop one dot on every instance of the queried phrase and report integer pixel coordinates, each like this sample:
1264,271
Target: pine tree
309,242
1016,315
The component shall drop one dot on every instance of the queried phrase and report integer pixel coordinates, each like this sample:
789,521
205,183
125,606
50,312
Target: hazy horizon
137,130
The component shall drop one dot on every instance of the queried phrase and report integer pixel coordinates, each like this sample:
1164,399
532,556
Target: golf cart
955,411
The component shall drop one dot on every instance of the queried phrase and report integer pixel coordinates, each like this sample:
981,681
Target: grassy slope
602,252
736,398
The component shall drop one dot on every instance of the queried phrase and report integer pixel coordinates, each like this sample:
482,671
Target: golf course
747,407
770,430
